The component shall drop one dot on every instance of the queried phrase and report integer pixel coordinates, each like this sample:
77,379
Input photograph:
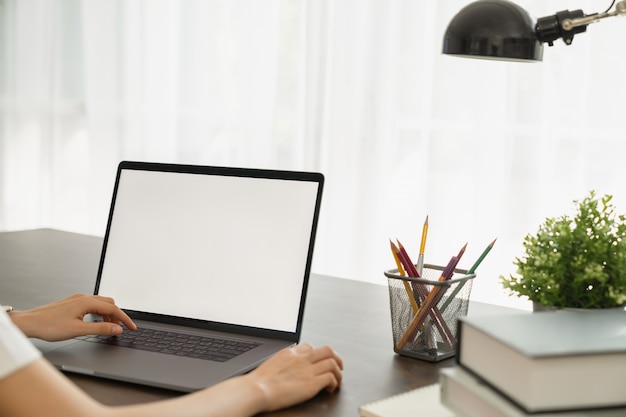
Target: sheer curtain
356,89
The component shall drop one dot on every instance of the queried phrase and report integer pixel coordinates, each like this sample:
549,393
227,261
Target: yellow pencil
407,287
420,258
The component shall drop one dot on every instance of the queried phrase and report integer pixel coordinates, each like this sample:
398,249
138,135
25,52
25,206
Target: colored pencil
406,261
420,258
430,303
458,258
422,294
481,257
407,287
470,271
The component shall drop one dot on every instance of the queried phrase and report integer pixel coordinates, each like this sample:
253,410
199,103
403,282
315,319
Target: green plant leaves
575,261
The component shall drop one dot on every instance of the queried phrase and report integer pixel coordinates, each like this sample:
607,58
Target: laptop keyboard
182,344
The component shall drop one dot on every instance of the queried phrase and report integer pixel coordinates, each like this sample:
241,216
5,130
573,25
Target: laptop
209,253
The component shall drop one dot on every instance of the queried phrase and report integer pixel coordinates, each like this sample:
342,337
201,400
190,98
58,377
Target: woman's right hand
297,374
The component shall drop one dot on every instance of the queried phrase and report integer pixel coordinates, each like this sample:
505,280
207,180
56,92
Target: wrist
20,320
256,393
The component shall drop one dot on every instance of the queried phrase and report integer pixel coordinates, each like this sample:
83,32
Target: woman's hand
64,319
297,374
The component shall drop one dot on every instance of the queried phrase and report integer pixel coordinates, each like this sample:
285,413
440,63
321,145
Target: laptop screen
224,245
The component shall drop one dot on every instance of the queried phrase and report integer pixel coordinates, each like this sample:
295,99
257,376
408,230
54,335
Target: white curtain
356,89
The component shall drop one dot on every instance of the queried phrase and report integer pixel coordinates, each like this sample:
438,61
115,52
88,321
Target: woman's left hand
64,319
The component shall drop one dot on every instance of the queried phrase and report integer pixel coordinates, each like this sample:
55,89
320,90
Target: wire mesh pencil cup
434,337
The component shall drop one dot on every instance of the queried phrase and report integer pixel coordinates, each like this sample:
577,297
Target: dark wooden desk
41,266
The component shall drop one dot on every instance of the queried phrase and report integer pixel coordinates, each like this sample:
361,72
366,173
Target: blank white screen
219,248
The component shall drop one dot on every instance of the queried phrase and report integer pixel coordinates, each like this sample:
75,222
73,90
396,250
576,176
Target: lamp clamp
551,28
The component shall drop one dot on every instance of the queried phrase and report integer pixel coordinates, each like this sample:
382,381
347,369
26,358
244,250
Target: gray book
468,396
549,361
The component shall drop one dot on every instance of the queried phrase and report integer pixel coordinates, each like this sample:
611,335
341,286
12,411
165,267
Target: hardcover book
468,396
549,361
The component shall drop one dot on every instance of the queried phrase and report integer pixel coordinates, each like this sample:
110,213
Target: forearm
39,389
236,397
290,377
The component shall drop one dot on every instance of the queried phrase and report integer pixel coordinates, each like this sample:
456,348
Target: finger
303,348
335,381
105,299
330,371
75,296
325,352
329,365
110,319
111,313
331,383
100,328
121,316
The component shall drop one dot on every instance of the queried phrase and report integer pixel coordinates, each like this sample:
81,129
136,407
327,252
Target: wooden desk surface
44,265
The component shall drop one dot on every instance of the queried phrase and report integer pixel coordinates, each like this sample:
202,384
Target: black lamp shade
493,29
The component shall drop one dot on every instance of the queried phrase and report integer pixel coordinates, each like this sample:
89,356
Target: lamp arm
568,24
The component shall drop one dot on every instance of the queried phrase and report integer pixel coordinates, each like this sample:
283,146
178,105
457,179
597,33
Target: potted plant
575,261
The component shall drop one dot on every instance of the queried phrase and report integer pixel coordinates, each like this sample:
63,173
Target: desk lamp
502,30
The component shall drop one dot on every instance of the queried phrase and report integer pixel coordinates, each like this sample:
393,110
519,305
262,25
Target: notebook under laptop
201,250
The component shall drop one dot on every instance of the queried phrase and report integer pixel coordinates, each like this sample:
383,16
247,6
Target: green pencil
481,257
469,272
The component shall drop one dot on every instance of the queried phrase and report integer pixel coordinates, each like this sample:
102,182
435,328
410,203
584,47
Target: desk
44,265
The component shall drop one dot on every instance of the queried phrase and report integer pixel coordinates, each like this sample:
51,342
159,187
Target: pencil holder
425,312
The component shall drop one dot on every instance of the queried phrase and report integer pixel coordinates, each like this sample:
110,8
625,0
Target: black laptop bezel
232,172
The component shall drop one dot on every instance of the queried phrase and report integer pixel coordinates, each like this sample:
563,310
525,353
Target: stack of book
560,363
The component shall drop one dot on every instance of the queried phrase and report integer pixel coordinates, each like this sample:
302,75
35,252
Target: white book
422,401
467,396
549,361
